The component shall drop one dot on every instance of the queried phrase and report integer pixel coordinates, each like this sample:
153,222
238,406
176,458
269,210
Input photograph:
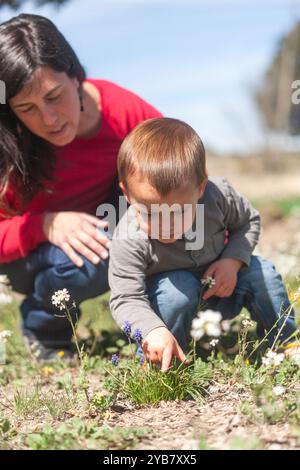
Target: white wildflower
272,358
206,323
279,390
247,323
226,325
60,297
4,335
4,279
208,281
214,342
5,298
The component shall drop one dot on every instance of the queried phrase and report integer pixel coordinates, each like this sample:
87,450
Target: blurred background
224,66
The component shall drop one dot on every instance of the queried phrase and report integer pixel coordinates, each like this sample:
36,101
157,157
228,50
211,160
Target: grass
77,434
285,206
28,402
148,385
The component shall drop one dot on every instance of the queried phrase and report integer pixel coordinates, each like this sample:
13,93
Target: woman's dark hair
28,42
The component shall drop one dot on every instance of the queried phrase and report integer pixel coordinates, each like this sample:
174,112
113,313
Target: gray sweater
135,257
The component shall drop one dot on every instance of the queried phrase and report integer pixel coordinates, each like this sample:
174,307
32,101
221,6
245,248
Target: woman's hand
77,233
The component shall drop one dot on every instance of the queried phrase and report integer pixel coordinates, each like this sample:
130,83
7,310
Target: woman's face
49,106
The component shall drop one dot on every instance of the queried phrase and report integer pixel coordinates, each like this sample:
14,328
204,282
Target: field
225,399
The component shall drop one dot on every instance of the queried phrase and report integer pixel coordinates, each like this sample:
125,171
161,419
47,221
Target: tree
15,4
274,95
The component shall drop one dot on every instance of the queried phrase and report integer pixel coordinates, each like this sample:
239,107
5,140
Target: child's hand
160,346
224,271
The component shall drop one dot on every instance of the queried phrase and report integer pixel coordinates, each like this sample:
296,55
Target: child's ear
124,191
203,186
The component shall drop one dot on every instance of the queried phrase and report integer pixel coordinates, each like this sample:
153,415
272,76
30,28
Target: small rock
193,444
234,422
275,447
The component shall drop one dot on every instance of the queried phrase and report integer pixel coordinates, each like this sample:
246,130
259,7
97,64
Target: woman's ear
76,82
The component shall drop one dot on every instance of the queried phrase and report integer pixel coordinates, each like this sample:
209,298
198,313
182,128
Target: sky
196,60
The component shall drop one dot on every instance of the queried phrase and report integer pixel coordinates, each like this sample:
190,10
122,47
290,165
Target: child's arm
243,224
129,302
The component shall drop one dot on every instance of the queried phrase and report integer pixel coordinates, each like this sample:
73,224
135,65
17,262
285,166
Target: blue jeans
175,296
44,271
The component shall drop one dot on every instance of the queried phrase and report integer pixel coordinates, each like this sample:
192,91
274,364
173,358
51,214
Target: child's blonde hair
165,151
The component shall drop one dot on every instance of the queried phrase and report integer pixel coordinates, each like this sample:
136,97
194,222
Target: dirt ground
217,424
180,425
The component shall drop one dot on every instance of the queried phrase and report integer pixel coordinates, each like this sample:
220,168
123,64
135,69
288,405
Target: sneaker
44,353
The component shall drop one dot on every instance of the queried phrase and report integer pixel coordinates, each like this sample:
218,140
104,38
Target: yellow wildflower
46,371
294,296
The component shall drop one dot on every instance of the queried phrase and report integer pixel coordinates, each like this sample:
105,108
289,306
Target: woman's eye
27,110
54,98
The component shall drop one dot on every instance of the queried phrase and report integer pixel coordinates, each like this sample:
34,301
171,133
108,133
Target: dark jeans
46,270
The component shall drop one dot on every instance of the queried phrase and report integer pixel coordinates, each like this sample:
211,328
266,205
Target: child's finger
210,271
180,355
210,292
166,357
145,348
152,356
222,291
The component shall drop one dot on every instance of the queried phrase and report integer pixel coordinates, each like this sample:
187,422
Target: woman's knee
82,283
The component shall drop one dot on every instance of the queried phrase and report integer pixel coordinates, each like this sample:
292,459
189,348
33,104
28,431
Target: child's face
169,222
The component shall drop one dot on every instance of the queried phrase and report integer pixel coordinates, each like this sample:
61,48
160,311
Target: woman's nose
49,116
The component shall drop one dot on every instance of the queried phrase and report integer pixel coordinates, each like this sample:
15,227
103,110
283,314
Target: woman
59,138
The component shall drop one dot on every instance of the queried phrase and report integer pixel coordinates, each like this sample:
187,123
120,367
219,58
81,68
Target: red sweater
84,173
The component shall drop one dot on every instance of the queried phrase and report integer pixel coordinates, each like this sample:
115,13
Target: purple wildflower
142,360
127,328
115,359
137,336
